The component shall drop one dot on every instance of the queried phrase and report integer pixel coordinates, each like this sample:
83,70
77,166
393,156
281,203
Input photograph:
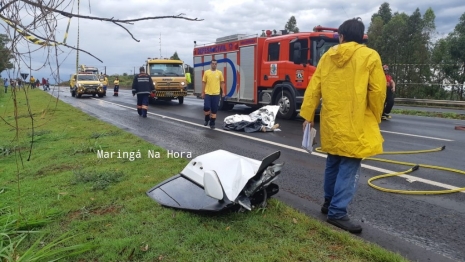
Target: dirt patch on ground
106,210
54,169
86,213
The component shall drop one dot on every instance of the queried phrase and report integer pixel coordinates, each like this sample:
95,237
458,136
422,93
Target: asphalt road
420,227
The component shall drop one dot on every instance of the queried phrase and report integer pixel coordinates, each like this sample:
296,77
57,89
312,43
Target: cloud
162,37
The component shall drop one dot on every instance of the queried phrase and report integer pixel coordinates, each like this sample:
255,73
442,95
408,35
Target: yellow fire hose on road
414,168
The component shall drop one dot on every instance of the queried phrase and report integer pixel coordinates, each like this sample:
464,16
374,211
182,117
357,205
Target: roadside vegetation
448,115
67,196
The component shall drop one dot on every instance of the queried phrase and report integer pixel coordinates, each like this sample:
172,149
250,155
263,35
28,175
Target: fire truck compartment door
247,72
231,76
198,74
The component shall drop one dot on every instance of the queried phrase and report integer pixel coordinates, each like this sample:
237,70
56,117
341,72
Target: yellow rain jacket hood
351,83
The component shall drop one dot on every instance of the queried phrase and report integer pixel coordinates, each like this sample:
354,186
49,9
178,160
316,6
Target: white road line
428,137
381,170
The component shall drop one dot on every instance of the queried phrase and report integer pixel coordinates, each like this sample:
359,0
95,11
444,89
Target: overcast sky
121,54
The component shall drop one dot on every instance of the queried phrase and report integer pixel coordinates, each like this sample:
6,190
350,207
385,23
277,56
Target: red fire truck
272,69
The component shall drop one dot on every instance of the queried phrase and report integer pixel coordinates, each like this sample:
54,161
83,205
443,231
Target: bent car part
220,181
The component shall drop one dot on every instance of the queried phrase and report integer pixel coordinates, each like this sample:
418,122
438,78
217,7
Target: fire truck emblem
300,74
274,69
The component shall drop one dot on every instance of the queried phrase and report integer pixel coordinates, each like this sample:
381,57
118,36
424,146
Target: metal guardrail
430,101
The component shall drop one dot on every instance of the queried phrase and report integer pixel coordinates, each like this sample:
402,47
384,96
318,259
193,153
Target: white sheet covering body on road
261,120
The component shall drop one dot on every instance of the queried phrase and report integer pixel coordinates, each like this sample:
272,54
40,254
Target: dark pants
115,90
142,104
210,103
389,102
210,107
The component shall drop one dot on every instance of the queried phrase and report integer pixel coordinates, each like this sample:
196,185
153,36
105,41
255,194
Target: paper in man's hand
308,138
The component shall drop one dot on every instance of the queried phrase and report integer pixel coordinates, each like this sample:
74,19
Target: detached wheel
181,100
286,104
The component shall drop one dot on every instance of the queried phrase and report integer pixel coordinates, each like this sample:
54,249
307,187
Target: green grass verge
103,201
428,114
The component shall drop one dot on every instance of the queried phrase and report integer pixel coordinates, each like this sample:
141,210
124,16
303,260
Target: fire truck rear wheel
286,104
224,106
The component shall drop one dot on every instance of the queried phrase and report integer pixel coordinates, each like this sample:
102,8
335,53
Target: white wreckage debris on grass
220,181
261,120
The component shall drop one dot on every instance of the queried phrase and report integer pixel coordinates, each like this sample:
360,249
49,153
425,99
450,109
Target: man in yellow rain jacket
350,82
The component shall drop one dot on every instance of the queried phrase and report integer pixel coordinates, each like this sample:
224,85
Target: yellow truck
169,79
85,83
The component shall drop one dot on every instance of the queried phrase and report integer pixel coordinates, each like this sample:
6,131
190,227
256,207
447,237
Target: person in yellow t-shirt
32,81
105,84
212,84
116,89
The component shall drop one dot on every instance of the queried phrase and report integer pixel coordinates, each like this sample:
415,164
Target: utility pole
105,70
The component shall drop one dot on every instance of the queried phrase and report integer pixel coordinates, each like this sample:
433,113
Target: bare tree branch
67,14
126,31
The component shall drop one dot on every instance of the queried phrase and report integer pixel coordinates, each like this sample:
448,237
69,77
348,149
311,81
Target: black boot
325,206
345,224
207,118
212,123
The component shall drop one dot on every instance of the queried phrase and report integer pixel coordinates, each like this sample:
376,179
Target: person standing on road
6,83
188,79
212,81
32,82
44,83
116,89
349,78
390,91
142,85
105,84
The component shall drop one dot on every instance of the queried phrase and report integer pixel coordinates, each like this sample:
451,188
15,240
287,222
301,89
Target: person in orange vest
116,89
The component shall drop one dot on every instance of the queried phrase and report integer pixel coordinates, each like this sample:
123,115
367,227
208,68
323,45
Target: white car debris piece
261,120
219,181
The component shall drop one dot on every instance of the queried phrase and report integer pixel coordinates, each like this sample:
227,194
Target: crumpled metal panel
243,188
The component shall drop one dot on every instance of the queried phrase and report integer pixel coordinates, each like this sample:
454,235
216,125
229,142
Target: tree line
423,64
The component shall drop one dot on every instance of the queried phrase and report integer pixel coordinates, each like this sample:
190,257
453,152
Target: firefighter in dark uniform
142,86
